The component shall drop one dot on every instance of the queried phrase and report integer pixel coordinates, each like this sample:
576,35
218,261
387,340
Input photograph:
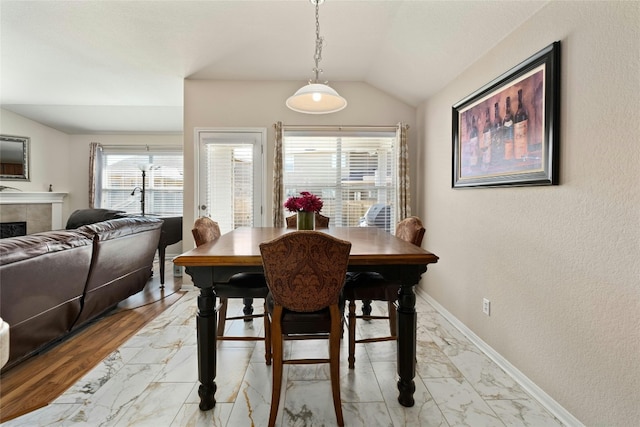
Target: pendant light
316,97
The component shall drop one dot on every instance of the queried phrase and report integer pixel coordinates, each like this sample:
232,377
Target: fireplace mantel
55,199
12,198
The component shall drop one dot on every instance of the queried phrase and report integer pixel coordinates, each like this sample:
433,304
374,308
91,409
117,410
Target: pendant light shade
316,98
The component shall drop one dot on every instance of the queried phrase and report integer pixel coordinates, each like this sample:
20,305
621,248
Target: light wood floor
37,381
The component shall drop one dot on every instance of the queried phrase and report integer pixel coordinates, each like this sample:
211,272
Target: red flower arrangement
307,202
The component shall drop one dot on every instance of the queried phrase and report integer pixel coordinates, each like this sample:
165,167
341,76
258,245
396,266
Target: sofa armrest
122,262
81,217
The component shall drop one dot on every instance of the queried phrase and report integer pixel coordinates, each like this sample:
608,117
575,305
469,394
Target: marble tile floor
152,381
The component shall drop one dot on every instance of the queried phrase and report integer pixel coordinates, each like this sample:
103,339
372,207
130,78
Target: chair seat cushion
369,286
243,285
314,322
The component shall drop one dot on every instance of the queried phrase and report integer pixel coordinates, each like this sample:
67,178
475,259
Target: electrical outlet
486,306
177,271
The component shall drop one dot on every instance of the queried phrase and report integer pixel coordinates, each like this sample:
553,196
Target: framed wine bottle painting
506,133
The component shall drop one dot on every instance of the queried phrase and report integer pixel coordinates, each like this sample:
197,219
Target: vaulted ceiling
119,66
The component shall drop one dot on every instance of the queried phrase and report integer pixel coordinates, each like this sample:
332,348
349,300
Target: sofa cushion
82,217
15,249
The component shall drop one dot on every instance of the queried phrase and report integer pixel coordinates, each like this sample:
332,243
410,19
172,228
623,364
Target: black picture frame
522,153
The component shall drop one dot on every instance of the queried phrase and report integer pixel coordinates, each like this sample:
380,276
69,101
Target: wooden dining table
372,249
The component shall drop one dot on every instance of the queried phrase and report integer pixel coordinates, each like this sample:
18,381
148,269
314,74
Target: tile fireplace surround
42,211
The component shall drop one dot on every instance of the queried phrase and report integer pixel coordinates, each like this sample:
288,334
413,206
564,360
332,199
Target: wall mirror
14,158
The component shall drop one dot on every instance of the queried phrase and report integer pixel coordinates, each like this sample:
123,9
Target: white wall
560,264
261,104
49,153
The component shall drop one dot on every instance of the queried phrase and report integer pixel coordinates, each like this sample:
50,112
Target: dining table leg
406,324
206,327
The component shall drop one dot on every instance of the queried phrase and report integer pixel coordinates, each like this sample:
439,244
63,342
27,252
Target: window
354,172
230,187
120,179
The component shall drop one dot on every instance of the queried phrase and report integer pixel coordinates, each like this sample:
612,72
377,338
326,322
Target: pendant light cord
319,42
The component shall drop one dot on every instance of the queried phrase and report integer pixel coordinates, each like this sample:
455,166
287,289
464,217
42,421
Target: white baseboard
529,386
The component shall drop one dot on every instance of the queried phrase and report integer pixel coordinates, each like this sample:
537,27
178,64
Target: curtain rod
342,127
146,147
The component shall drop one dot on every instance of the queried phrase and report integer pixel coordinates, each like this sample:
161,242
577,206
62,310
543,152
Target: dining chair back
371,286
305,272
245,286
411,230
205,230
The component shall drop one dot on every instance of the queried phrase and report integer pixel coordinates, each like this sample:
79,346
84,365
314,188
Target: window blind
230,184
120,176
355,174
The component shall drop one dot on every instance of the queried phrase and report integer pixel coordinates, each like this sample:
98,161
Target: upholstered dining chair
321,221
371,286
305,273
242,286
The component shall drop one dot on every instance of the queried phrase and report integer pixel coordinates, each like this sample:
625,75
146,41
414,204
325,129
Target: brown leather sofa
54,282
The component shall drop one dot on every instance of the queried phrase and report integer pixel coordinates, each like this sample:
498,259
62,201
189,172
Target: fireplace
13,229
42,211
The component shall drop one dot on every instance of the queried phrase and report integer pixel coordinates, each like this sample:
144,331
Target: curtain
278,212
95,153
404,193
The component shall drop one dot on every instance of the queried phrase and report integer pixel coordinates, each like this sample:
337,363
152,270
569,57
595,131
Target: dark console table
171,234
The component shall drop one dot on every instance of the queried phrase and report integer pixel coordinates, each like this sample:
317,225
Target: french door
230,176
